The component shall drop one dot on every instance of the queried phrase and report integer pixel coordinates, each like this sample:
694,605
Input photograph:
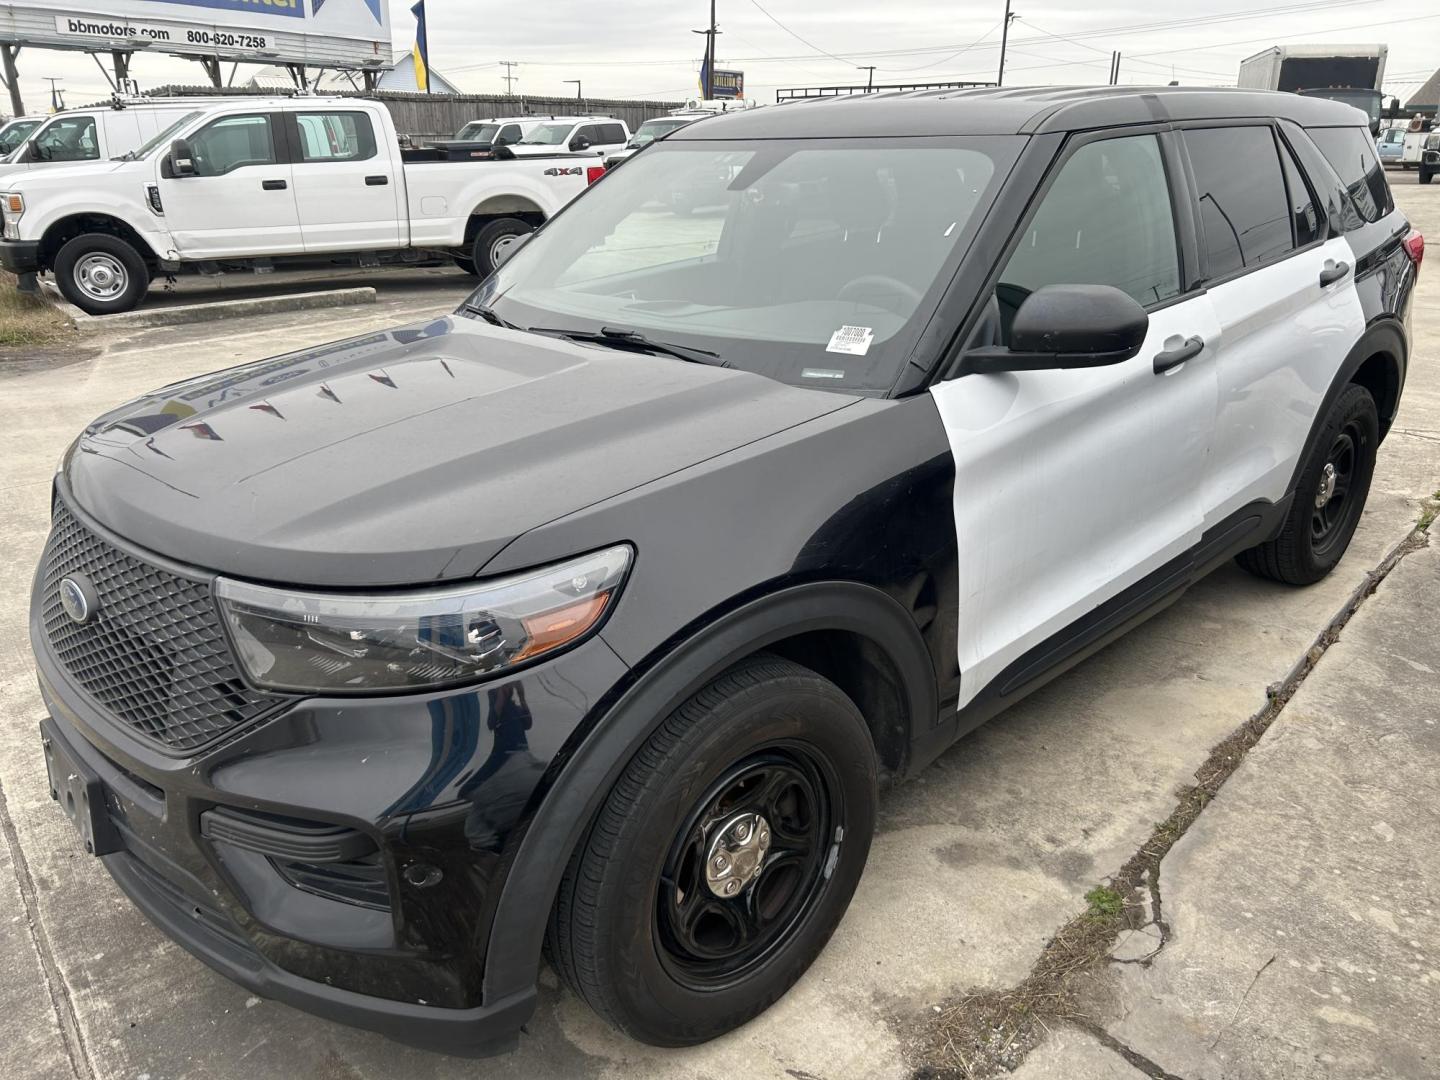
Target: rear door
347,185
1073,485
239,202
1283,292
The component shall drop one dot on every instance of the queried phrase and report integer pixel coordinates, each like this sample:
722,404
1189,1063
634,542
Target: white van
98,133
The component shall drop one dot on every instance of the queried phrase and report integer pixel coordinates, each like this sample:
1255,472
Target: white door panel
347,185
232,215
1071,486
1281,341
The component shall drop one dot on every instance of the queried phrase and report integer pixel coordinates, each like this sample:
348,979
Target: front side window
233,142
816,262
1244,209
1352,156
1106,220
73,138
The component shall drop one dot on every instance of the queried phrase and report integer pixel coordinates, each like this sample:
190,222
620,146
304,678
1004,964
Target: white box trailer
1349,73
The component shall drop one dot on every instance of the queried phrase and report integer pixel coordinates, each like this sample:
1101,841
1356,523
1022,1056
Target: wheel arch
1377,362
843,630
64,229
499,206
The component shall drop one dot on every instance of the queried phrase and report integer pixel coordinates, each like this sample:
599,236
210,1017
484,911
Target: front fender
611,739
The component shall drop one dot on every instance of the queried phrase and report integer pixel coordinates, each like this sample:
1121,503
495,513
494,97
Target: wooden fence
440,115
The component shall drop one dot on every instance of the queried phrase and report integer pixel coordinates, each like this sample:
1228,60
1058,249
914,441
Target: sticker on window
821,373
854,340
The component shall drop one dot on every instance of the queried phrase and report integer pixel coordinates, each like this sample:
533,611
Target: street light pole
707,84
1004,40
579,95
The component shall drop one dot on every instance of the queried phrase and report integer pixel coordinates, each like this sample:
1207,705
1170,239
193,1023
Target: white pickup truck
255,183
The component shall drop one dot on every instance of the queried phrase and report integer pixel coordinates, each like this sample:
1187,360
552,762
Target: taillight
594,172
1415,247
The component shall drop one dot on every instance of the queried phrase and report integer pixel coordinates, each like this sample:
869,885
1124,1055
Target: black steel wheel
723,857
1329,497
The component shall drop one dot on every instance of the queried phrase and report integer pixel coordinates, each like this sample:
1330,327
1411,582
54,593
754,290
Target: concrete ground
1327,835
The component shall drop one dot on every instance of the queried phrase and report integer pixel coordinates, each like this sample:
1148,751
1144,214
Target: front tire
491,239
101,274
1329,497
722,859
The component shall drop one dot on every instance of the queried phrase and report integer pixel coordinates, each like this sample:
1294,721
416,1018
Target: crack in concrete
1136,1059
1088,940
60,1002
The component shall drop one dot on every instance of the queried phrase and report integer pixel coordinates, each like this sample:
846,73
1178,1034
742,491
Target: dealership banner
340,33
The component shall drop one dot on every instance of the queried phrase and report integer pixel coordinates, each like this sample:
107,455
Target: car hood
30,175
407,455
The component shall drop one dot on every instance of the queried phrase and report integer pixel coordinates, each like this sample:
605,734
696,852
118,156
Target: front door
348,189
240,200
1072,485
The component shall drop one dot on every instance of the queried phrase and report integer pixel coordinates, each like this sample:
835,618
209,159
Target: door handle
1172,358
376,181
273,185
1333,272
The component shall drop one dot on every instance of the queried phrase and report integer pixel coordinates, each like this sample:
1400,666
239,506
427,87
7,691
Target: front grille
153,654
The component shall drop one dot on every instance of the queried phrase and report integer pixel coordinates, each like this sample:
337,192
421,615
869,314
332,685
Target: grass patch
29,320
1105,902
1428,510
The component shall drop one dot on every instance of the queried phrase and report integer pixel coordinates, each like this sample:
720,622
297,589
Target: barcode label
854,340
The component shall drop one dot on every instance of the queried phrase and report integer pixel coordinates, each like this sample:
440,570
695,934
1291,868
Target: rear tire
494,235
1328,499
1426,175
101,274
769,754
468,265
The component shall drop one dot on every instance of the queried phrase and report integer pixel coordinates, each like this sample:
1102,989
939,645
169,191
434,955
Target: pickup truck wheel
101,274
1426,175
723,858
1329,498
468,265
492,238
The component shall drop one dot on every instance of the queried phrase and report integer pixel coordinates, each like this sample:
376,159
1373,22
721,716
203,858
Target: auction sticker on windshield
854,340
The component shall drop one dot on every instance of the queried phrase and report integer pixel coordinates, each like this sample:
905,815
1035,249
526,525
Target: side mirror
182,160
504,252
579,143
1066,326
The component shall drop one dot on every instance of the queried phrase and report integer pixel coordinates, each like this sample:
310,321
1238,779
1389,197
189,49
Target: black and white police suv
588,619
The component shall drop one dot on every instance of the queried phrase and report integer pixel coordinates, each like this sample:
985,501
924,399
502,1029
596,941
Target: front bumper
20,256
415,775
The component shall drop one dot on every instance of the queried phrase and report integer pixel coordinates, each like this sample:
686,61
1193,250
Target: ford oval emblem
77,597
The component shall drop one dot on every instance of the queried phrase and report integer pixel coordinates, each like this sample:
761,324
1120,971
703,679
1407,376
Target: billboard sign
329,33
728,84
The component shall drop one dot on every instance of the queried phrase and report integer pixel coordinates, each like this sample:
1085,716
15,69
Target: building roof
1009,111
1428,96
402,77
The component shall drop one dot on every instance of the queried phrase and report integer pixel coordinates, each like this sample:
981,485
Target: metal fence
441,115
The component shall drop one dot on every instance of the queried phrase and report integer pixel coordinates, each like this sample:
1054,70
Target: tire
101,274
491,237
617,933
1426,175
1338,470
468,265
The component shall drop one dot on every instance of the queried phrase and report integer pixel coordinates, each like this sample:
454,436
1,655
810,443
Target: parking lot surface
1302,931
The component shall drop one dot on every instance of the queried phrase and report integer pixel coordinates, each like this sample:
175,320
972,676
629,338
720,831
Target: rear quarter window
1351,154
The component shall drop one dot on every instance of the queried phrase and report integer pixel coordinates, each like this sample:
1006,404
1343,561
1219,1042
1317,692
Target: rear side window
1244,208
1106,220
612,133
1352,155
509,134
335,136
1303,214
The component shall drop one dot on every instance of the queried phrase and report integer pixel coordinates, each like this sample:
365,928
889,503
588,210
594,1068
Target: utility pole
579,96
1115,68
509,76
1004,40
707,87
870,79
12,77
57,102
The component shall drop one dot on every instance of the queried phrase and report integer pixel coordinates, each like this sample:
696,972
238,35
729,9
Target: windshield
815,262
549,134
478,131
1369,102
13,134
159,139
651,130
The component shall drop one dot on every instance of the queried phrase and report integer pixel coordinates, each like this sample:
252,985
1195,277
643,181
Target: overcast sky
638,48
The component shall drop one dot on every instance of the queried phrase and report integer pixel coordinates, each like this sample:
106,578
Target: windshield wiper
619,338
489,316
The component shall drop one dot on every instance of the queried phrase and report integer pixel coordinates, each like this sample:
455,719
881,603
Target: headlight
342,643
14,203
